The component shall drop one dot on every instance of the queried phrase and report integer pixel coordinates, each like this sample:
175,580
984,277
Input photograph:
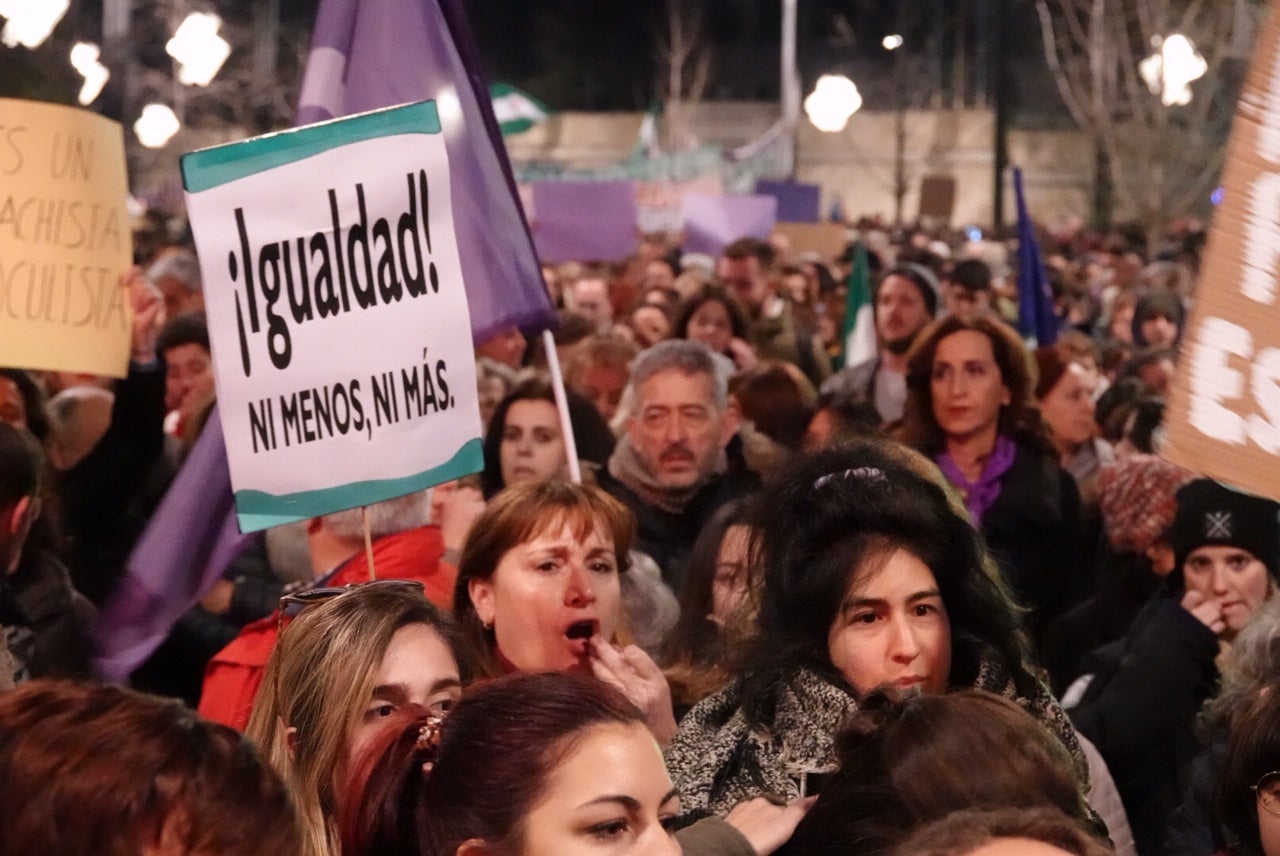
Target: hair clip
863,473
429,733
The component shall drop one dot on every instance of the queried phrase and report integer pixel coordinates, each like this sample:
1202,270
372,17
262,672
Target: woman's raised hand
634,673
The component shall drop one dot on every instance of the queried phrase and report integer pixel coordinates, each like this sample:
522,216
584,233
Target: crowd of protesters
949,599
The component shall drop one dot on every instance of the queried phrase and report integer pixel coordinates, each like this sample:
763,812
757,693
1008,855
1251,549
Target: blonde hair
317,682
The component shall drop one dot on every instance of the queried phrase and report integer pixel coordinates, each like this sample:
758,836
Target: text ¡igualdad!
308,280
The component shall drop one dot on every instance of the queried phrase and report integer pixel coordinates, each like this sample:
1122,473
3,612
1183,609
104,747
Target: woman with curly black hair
872,578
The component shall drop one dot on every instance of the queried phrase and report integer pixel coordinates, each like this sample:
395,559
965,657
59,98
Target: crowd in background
948,599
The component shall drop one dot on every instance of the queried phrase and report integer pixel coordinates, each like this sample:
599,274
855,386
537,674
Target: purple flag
377,53
364,56
797,202
185,548
585,220
713,222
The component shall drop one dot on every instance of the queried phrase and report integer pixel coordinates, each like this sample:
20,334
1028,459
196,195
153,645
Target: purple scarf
982,494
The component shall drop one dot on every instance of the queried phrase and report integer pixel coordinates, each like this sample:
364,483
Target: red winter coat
232,677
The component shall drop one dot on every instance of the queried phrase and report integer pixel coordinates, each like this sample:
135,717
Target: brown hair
101,771
710,293
609,352
515,516
965,831
1051,364
1019,420
904,763
778,399
489,765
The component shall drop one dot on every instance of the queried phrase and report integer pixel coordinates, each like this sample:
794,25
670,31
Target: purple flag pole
184,550
364,55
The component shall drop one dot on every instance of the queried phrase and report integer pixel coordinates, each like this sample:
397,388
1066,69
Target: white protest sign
341,337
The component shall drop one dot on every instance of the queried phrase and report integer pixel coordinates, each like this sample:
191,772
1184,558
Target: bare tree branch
1162,158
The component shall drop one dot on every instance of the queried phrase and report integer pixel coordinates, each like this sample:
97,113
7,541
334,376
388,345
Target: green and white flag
859,333
515,110
647,145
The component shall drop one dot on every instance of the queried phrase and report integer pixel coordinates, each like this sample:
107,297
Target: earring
487,625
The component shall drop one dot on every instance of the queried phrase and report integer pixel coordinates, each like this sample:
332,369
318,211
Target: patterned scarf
717,759
629,468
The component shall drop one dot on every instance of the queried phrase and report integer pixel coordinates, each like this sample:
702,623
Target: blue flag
365,54
1036,318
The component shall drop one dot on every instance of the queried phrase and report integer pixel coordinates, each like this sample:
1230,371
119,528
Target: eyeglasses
1268,791
291,605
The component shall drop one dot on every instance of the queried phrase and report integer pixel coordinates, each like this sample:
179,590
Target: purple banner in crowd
797,202
364,55
184,550
584,220
713,222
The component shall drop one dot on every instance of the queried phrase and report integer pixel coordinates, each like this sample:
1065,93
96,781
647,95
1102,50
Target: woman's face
729,586
418,668
892,629
966,388
549,596
1269,822
1122,324
710,324
531,449
1068,408
1231,577
609,796
650,325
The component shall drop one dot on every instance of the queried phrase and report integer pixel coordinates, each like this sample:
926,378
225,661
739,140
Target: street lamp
1170,71
833,100
891,42
156,126
30,21
84,59
198,48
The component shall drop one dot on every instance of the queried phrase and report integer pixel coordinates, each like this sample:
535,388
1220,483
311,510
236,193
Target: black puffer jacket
1140,707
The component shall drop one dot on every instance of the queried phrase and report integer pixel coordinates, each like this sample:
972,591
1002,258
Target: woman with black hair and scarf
872,577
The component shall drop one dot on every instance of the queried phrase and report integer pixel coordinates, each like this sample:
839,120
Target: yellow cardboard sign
64,240
1224,413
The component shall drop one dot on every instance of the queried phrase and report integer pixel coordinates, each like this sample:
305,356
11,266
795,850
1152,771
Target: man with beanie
905,300
1140,706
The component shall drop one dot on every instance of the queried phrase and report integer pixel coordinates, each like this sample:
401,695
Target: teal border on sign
209,168
258,510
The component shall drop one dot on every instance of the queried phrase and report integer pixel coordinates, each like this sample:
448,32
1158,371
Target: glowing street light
833,100
30,21
198,48
156,126
84,58
891,42
1170,71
